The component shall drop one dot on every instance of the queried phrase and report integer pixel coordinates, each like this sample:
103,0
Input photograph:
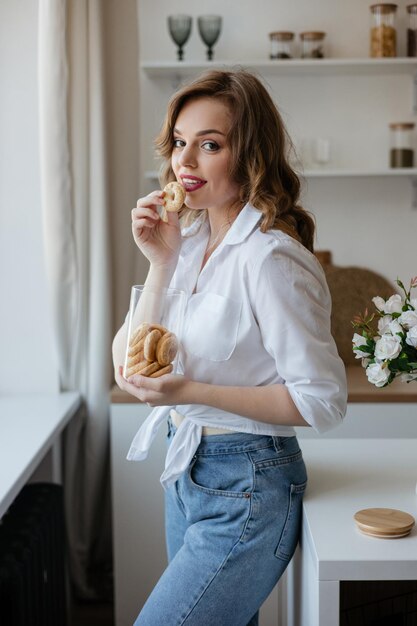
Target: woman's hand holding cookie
157,239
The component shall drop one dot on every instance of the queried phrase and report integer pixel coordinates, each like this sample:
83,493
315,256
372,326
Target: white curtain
76,240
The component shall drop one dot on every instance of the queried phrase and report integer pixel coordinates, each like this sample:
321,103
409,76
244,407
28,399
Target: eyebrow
208,131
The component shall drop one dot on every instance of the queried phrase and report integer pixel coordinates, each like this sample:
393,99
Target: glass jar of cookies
383,38
154,328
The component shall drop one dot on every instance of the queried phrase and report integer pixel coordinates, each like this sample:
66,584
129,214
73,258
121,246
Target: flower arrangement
388,349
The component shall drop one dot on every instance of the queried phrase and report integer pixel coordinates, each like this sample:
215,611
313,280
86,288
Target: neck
215,240
217,236
221,221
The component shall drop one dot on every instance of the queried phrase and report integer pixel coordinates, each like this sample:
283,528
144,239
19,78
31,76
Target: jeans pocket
291,529
224,474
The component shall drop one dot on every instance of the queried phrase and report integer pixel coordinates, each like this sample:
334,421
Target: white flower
411,337
408,319
383,324
365,362
379,303
387,347
359,341
377,374
394,304
395,327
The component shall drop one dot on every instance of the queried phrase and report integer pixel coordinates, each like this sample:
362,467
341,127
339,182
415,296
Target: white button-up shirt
258,313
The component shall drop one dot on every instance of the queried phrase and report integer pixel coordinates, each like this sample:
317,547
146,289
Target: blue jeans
232,526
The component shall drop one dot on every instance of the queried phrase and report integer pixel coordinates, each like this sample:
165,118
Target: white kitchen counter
30,425
346,475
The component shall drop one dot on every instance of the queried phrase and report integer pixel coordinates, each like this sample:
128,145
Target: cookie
138,333
161,329
151,341
164,370
167,349
136,348
137,358
137,368
174,197
150,369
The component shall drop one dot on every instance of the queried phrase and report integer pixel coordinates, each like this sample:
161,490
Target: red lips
191,183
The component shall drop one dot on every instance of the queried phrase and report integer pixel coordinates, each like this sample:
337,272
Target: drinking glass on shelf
209,27
179,27
321,151
154,331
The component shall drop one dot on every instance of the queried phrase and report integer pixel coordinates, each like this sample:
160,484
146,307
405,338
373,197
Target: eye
210,146
178,143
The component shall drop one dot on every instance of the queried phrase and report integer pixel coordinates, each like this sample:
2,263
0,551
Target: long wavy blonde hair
259,146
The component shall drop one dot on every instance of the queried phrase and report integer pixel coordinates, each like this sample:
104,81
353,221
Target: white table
346,475
30,426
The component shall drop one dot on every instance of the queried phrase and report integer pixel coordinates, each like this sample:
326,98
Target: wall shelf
361,173
410,173
291,67
335,173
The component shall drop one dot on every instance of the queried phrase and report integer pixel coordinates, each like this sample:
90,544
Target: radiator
32,559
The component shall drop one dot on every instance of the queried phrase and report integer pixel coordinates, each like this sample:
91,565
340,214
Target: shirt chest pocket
212,325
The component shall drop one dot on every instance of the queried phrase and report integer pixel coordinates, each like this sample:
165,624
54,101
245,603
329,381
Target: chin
196,206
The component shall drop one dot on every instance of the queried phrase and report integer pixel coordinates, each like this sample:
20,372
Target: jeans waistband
235,442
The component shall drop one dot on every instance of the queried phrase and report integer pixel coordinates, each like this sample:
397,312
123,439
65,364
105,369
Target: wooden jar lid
384,523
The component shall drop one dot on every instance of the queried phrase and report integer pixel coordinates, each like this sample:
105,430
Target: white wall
27,361
366,222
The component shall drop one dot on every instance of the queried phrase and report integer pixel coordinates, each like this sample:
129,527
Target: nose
187,157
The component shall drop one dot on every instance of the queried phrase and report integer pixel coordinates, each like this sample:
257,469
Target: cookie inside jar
151,351
153,330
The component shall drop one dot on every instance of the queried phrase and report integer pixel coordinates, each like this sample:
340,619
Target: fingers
144,212
144,382
134,389
172,218
144,222
146,215
154,199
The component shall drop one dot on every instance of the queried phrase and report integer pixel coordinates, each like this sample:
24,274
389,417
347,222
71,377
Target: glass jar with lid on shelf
281,44
402,153
383,31
412,30
312,44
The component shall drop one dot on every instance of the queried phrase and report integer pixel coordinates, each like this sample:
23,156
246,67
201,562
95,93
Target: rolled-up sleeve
292,305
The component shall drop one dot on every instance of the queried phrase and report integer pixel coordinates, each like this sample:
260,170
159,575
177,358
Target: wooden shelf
288,67
360,390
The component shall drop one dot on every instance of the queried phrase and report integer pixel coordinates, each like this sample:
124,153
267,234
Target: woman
258,357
